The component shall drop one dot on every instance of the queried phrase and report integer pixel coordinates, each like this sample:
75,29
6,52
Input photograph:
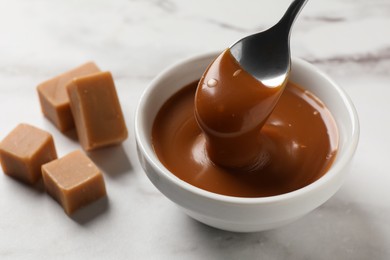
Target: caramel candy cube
74,181
24,150
96,111
54,98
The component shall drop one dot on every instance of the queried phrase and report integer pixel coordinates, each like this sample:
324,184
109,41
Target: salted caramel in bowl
193,150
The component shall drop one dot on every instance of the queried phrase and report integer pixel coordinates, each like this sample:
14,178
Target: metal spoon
266,55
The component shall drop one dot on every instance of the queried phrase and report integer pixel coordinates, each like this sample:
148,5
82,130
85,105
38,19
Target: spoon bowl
266,55
238,92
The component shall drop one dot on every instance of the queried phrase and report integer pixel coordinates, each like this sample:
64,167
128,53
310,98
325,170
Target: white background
135,40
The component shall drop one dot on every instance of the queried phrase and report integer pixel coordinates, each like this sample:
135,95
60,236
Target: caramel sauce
244,140
231,107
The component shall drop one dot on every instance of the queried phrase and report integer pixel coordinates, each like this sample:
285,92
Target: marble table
135,40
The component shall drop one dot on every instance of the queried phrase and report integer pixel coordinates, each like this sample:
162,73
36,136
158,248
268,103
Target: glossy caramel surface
231,107
299,144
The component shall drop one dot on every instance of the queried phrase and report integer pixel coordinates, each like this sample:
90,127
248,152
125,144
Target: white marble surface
136,39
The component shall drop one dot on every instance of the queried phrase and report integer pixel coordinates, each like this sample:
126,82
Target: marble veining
348,39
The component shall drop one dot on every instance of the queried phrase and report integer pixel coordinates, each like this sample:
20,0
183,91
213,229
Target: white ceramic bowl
234,213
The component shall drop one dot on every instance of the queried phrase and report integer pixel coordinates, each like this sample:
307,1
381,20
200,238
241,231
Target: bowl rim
162,171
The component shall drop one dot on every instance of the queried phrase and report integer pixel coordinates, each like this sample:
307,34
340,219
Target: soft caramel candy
96,111
74,181
24,150
54,98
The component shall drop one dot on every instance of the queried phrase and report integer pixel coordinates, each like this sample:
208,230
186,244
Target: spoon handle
292,12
